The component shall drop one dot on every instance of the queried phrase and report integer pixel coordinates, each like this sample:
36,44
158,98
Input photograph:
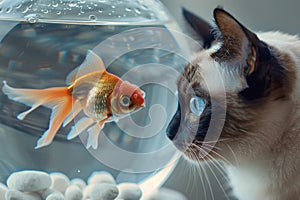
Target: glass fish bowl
43,41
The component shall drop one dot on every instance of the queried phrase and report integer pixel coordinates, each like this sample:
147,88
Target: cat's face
233,96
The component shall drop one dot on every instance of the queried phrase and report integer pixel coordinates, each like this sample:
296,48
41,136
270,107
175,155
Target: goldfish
102,96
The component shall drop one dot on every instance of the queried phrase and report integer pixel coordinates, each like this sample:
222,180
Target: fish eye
125,101
197,105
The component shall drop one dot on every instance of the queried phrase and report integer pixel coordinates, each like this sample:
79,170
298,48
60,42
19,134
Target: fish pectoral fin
94,132
81,125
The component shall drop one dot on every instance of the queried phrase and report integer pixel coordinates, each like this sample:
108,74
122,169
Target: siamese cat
258,75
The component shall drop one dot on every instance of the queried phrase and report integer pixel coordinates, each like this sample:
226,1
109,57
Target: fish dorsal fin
91,63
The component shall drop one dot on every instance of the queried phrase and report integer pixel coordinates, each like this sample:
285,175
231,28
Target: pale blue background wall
260,15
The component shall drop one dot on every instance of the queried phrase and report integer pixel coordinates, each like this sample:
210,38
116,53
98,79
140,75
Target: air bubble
18,6
72,4
92,17
45,11
138,11
55,5
58,12
8,10
31,18
144,7
26,10
128,9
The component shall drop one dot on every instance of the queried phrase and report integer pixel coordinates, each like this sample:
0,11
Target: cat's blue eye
197,105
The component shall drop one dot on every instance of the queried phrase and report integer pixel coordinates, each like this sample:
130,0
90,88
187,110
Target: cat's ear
237,41
202,28
242,48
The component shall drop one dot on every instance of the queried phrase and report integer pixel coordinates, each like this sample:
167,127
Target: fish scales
103,89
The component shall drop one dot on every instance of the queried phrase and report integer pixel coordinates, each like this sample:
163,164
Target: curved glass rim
90,12
99,22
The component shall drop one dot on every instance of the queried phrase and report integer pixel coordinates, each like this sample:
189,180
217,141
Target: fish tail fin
58,99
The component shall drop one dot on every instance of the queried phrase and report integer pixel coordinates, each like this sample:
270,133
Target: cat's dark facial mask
195,106
238,69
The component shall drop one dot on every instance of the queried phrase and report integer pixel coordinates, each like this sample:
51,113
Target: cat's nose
174,124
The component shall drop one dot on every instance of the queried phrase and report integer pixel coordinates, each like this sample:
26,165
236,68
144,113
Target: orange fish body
101,95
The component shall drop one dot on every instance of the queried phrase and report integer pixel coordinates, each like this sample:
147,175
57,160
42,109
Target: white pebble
101,177
129,191
29,181
60,182
73,192
45,193
165,193
101,191
55,196
3,190
13,194
79,182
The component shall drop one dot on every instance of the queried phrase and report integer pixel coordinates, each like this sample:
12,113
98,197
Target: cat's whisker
198,172
199,166
208,145
247,132
263,137
218,166
192,172
234,156
211,146
215,141
207,154
189,176
214,162
199,163
219,155
205,174
216,177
